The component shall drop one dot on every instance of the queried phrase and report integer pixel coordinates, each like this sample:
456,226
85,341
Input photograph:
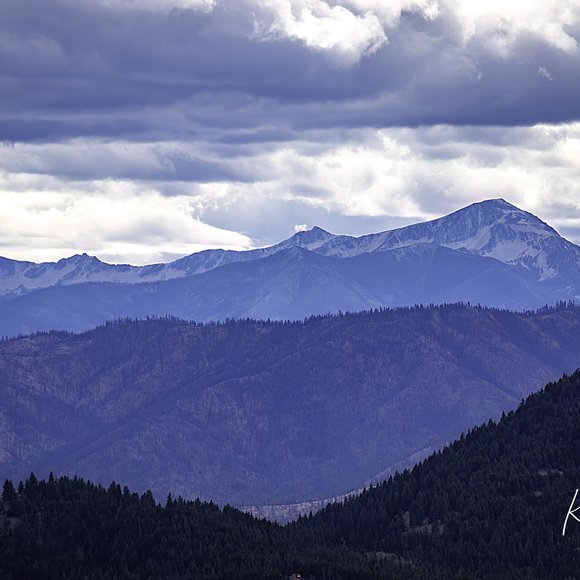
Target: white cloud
501,22
389,13
331,28
346,29
420,173
45,219
301,228
349,30
352,29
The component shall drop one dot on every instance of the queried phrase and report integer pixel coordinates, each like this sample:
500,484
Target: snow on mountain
492,229
209,259
312,239
17,277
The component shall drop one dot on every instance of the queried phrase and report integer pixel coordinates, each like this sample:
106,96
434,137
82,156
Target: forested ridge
491,505
257,412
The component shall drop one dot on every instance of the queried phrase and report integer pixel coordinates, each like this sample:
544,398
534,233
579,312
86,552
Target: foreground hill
490,253
492,505
67,529
262,412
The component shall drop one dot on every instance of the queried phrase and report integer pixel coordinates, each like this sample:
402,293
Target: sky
140,131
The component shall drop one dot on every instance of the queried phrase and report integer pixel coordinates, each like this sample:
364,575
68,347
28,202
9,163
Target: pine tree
8,492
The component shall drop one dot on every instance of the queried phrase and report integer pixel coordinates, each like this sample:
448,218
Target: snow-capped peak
500,230
492,228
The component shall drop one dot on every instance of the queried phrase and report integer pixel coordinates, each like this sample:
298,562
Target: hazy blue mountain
268,412
288,285
490,253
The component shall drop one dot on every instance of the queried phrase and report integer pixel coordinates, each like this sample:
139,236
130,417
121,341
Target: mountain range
262,413
491,253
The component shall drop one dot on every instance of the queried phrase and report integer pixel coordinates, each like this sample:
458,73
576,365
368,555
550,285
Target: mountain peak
313,232
492,228
83,258
494,206
309,239
496,202
490,210
497,215
497,229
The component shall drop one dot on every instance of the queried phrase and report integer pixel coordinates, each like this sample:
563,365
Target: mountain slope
292,284
18,277
490,253
261,413
69,529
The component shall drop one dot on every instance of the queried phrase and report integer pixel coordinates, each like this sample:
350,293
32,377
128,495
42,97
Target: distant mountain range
260,413
490,253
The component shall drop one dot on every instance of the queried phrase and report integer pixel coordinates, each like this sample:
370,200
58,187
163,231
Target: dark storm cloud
83,69
84,160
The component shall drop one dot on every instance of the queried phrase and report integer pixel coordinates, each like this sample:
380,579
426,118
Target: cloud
84,159
228,122
389,13
45,219
353,181
278,66
502,22
545,73
325,24
320,26
377,179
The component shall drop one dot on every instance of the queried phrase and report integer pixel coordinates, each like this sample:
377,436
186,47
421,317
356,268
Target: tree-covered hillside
67,529
492,505
260,413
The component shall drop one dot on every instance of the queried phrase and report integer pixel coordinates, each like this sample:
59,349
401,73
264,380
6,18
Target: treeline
66,529
559,306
